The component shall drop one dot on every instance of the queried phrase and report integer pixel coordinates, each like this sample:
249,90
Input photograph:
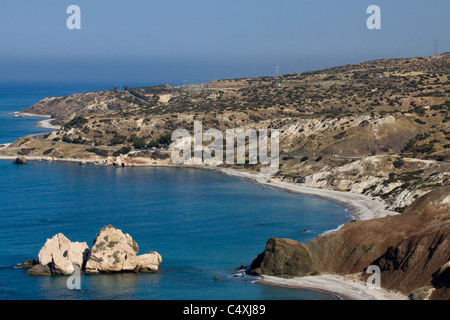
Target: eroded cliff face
411,249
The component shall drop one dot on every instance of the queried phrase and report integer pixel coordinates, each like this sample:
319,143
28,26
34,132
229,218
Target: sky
201,40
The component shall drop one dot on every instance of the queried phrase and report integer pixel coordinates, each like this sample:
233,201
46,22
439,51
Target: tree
124,150
118,139
139,143
165,138
153,144
77,122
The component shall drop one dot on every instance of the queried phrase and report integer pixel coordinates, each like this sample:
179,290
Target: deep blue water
203,224
18,96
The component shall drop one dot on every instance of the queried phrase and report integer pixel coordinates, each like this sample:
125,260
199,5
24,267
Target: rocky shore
113,251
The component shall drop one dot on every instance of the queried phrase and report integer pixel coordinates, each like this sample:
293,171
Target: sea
204,224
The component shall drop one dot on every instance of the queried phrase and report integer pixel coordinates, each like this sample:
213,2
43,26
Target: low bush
77,122
99,152
124,150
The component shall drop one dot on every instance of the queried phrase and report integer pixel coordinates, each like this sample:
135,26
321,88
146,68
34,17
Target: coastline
27,114
4,146
361,208
44,124
345,287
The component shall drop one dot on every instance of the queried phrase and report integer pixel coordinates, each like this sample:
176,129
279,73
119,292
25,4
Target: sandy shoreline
45,124
344,287
48,159
4,146
27,114
362,208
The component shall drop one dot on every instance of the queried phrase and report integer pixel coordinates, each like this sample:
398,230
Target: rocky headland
412,250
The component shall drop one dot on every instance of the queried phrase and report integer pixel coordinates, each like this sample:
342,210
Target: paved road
40,136
134,96
316,156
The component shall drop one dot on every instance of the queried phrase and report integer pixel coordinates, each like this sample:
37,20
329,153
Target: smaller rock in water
40,269
20,160
27,264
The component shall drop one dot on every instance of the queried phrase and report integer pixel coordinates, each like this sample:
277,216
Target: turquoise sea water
204,224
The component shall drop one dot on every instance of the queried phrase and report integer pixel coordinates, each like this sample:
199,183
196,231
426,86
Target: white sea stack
60,254
115,251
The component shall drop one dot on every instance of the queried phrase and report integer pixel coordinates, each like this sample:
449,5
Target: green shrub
139,143
165,138
398,163
339,135
153,143
99,152
47,151
66,139
77,122
118,139
419,121
124,150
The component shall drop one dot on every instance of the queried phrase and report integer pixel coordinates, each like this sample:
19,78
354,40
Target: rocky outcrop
411,249
282,258
113,251
61,255
27,264
20,160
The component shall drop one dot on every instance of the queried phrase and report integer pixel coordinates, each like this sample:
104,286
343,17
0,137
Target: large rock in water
61,256
20,160
282,258
114,251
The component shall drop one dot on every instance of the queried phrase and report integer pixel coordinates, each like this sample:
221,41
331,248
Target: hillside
383,106
379,128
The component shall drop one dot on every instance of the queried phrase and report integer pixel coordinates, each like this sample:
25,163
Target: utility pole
436,52
278,70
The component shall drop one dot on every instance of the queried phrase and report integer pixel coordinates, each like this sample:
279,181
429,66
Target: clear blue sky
152,40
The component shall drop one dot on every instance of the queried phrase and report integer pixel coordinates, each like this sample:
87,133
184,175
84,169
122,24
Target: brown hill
411,249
